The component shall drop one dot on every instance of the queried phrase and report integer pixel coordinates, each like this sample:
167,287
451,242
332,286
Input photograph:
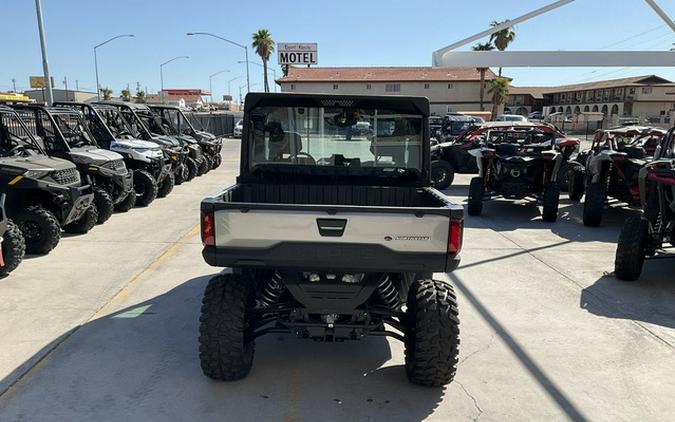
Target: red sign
179,92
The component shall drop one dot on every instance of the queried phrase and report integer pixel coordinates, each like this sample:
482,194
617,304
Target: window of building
426,86
292,87
450,110
647,90
368,86
392,88
335,86
449,86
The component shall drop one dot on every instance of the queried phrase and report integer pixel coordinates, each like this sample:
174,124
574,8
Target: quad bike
65,134
152,175
374,232
517,165
652,234
43,194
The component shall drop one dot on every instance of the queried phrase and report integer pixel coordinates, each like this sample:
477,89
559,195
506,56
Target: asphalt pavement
105,328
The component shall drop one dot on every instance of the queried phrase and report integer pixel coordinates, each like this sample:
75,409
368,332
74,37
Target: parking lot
105,328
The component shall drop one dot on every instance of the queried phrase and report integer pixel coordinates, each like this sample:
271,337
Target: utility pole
65,84
77,85
14,84
43,47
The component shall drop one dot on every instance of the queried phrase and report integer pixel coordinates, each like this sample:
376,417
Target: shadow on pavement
141,363
649,299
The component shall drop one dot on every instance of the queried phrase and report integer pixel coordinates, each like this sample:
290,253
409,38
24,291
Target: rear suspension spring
272,291
388,293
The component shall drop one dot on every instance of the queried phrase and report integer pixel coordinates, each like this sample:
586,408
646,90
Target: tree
125,95
264,46
106,93
499,88
140,97
502,39
487,46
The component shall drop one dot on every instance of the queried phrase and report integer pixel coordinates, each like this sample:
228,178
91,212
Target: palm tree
499,88
106,93
140,97
502,39
487,46
125,95
264,46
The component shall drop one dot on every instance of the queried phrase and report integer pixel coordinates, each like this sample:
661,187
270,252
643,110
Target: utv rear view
329,239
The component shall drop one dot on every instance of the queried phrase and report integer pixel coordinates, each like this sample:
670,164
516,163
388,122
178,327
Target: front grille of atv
117,165
66,177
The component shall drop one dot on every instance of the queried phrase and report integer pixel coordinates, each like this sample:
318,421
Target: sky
348,33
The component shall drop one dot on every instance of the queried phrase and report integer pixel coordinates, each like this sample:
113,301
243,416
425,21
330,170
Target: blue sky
349,33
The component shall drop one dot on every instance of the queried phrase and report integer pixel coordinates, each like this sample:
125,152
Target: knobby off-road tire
551,202
127,203
476,192
167,186
432,334
217,161
202,166
191,166
563,176
575,183
631,249
104,205
594,204
223,353
181,175
209,163
145,187
85,223
40,229
442,174
13,248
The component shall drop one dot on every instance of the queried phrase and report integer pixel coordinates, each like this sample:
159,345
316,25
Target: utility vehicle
652,233
517,165
331,240
42,193
138,116
152,175
65,134
452,157
609,169
12,242
176,123
203,134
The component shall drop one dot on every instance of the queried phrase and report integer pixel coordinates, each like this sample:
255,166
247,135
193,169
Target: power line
631,37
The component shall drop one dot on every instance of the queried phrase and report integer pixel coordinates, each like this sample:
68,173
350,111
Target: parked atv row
70,166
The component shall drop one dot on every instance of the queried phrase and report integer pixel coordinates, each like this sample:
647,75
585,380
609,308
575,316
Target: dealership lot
105,328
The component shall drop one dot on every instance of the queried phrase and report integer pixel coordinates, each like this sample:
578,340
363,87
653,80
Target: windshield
365,141
74,129
14,136
115,121
174,121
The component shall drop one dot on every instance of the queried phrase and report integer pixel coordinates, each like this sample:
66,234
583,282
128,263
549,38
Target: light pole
274,72
161,74
98,87
247,91
229,90
248,81
211,84
43,47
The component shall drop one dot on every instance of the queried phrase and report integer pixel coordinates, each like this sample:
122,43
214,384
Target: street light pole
161,74
98,86
211,84
43,47
229,90
274,72
248,80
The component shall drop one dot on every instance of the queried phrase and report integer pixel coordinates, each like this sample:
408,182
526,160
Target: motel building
448,89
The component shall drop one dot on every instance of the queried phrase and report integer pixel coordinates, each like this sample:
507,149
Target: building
649,98
525,100
448,89
61,95
179,97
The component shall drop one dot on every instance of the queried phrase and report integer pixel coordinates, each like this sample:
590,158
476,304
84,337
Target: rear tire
84,223
191,166
594,204
551,202
575,183
217,161
476,192
145,187
223,352
202,166
631,249
127,203
104,205
13,248
432,333
167,186
40,229
180,176
442,174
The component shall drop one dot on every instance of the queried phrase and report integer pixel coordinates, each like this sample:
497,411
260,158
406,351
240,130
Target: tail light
488,154
455,236
208,229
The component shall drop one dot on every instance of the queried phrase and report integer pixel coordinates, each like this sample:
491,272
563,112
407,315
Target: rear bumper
330,257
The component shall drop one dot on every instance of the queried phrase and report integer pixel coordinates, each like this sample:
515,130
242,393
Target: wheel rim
439,175
31,230
140,189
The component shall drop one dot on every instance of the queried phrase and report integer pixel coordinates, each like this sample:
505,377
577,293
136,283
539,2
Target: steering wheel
308,157
16,149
